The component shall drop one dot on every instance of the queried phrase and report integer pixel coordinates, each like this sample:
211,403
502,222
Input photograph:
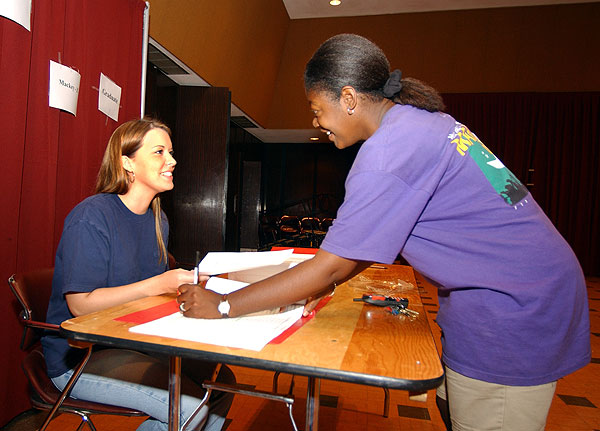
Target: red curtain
52,157
550,140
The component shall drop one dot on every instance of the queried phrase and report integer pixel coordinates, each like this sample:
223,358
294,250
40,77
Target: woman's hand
313,301
199,302
172,279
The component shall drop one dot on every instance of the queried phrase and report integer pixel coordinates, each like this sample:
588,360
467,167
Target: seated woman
113,250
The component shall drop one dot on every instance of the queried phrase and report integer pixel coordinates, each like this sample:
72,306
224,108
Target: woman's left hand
198,302
313,301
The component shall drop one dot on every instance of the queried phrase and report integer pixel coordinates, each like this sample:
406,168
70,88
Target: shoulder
407,132
408,120
95,203
96,210
410,144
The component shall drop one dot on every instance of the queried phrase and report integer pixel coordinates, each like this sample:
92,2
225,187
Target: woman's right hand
172,279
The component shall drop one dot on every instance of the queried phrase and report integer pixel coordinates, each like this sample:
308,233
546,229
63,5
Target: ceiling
304,9
300,9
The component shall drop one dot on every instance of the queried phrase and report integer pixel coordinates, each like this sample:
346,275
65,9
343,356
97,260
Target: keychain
393,305
383,301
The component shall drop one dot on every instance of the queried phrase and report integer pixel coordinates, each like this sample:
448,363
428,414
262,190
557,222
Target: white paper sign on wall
18,11
64,87
109,97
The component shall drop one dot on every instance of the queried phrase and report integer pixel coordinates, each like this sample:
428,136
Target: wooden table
345,341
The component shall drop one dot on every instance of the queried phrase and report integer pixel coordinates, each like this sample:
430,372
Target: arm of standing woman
313,278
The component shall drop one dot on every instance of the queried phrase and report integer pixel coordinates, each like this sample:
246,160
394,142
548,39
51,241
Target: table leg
312,404
174,392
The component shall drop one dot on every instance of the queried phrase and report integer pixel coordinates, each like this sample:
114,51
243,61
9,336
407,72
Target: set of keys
406,311
393,305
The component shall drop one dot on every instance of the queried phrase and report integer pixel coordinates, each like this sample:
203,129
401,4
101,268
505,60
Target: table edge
304,370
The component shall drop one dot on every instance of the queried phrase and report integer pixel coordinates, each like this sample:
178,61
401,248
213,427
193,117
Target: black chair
289,226
268,232
32,291
310,224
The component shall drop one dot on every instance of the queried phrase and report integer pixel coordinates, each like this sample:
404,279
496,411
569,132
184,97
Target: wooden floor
348,407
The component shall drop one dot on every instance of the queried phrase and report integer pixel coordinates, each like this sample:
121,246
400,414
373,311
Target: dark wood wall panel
244,194
250,206
199,200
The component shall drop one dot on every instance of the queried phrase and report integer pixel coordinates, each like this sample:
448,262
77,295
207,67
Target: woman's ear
126,162
349,97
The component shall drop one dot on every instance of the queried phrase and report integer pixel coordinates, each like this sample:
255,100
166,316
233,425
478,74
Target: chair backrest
172,261
32,290
290,221
310,223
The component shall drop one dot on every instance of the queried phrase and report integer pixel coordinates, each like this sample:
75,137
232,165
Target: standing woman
113,250
513,301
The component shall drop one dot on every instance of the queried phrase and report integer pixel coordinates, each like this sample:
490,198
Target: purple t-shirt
513,300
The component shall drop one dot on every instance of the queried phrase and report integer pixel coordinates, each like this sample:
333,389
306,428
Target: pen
378,267
196,267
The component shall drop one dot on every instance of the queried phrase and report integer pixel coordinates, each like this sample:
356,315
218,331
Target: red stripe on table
299,323
150,314
298,250
168,308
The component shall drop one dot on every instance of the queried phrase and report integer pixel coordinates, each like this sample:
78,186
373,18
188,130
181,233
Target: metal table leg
312,404
174,392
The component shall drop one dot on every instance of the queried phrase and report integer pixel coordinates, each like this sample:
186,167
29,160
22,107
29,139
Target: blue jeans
135,380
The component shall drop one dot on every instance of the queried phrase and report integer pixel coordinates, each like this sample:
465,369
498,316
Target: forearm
104,297
307,279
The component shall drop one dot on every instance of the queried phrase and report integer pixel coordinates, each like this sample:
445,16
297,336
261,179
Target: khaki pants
476,405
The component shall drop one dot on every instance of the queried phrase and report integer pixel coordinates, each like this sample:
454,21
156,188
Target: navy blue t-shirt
103,244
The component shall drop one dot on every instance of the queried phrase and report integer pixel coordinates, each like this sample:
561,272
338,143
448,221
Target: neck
135,201
376,113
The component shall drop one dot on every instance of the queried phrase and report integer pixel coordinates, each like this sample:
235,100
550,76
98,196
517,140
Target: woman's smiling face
331,116
153,162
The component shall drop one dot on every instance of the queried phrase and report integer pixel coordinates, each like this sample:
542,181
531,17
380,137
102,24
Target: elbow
338,269
75,311
76,305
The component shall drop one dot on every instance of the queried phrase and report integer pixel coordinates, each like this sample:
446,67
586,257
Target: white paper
18,11
253,275
109,97
249,332
215,263
64,87
223,285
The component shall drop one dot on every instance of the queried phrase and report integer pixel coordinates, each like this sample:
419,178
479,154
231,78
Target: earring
131,177
350,111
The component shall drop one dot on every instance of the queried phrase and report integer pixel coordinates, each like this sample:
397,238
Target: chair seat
44,394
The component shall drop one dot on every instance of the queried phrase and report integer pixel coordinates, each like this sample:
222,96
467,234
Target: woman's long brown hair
112,177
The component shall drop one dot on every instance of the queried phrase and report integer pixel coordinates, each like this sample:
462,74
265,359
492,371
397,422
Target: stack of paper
215,263
251,332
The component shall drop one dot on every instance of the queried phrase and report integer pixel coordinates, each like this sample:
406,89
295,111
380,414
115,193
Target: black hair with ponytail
350,59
